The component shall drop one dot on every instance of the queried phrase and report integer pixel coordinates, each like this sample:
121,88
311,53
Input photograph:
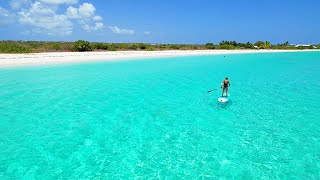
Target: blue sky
162,21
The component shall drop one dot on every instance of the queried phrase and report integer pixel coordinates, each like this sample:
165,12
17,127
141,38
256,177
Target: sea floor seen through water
153,118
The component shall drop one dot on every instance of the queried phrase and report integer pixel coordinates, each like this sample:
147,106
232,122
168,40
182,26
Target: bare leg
222,92
227,92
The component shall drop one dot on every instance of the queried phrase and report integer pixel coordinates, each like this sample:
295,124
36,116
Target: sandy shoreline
34,59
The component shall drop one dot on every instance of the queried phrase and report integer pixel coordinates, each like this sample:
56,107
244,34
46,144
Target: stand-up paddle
213,90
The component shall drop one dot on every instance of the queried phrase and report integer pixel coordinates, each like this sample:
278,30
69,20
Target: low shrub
13,48
82,46
209,46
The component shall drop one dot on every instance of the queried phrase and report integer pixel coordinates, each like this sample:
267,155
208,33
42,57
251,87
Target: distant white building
301,45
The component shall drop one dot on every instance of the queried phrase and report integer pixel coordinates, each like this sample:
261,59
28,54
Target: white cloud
147,32
97,18
117,30
4,12
44,16
87,10
59,1
86,17
72,13
43,19
6,17
97,26
17,4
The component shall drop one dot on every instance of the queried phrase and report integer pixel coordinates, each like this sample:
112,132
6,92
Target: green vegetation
263,45
209,46
13,47
34,46
81,45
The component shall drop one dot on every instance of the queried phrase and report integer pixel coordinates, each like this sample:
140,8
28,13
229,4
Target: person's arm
229,83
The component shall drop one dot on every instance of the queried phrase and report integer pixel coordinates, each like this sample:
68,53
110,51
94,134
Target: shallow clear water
155,119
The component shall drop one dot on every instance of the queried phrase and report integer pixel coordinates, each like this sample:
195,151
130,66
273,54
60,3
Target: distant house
256,47
302,45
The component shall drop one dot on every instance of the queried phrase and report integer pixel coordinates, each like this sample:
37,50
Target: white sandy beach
34,59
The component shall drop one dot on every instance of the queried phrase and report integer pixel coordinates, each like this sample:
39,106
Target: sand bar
34,59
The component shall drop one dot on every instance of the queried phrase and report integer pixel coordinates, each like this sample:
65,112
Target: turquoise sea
153,119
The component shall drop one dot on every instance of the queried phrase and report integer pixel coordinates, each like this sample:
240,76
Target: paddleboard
224,98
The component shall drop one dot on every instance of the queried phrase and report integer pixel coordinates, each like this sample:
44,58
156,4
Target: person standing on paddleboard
225,85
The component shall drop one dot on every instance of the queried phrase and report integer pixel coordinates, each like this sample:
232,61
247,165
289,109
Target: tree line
81,45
